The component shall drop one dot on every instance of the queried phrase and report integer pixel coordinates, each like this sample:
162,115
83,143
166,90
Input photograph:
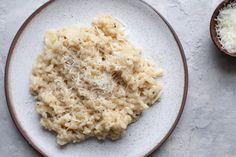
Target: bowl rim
8,97
213,29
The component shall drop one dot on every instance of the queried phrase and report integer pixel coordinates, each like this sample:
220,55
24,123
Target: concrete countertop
207,127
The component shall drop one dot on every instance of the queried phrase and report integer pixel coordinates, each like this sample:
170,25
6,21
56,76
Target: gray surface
207,127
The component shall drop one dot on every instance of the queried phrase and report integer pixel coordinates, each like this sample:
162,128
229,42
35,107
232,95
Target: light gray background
207,127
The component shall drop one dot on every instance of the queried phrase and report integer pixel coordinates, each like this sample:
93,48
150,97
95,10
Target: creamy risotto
92,82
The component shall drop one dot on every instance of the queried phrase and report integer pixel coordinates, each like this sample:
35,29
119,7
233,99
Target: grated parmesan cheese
91,82
226,27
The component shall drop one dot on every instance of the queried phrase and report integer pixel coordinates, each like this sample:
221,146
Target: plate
146,28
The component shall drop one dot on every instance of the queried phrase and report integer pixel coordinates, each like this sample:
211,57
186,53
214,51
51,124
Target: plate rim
12,110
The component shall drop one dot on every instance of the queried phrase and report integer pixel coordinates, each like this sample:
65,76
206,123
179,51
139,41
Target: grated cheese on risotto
92,82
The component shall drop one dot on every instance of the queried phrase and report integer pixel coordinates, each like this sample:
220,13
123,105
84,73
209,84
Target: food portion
226,27
92,82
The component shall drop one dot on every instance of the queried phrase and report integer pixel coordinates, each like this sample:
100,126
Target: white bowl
146,28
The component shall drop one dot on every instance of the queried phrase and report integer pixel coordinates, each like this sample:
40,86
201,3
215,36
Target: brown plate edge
6,77
185,92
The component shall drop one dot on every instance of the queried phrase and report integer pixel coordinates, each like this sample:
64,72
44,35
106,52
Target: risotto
92,82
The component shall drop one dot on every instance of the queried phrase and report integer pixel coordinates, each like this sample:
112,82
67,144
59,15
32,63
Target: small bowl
213,29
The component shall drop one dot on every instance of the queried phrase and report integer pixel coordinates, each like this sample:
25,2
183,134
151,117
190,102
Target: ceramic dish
213,27
147,29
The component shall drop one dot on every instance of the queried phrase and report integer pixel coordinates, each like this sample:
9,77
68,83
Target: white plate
146,29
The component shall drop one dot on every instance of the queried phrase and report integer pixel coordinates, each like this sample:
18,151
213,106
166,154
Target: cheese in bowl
226,27
92,82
